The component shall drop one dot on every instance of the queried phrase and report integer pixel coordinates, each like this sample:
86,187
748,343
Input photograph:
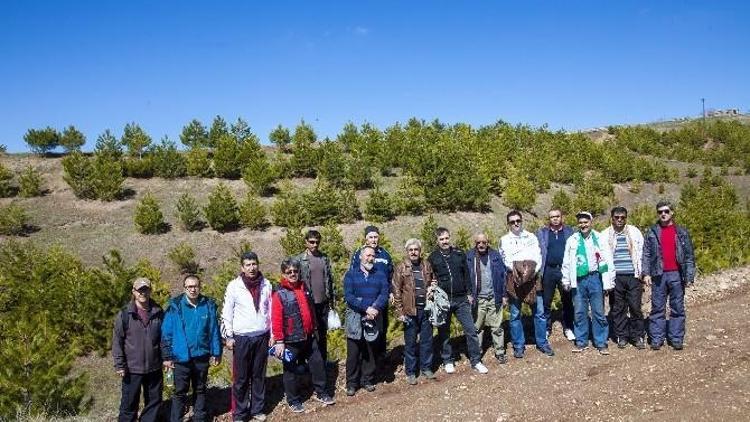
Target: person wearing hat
137,353
366,294
246,321
293,329
668,267
588,270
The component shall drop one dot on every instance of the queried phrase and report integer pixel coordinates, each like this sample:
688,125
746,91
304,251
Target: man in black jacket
136,350
452,273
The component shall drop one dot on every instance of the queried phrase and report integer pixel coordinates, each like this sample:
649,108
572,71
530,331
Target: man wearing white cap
588,269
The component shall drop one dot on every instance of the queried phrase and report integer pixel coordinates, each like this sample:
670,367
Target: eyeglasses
192,287
514,221
413,250
143,290
313,241
481,242
291,271
620,217
667,211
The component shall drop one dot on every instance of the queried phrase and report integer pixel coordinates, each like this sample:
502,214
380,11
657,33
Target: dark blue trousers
668,285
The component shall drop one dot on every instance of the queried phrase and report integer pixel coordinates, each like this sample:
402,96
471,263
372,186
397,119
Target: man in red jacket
293,330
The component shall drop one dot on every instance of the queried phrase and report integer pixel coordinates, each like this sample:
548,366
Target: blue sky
571,65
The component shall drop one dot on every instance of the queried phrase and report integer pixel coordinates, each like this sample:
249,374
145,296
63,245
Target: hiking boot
547,350
502,359
603,351
579,348
656,346
639,344
369,388
411,380
296,408
428,374
350,391
449,368
622,343
325,399
677,346
518,353
569,334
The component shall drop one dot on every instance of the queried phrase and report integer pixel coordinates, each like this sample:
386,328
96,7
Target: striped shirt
623,261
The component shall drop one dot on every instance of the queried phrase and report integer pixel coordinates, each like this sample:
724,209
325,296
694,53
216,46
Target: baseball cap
141,282
369,329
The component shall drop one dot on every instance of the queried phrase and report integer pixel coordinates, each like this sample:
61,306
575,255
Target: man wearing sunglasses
137,353
626,246
191,342
668,266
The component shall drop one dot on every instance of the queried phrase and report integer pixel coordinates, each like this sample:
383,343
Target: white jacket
524,247
569,267
239,316
636,241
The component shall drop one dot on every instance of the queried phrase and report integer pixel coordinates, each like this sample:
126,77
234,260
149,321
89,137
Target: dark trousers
551,280
195,372
321,315
360,362
669,285
304,352
417,325
627,297
131,394
461,308
249,360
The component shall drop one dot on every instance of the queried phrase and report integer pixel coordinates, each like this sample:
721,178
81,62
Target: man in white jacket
246,321
626,246
588,269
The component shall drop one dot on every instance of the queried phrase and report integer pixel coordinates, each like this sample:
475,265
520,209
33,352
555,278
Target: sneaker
449,368
579,348
481,368
656,346
369,387
569,334
295,407
547,351
502,359
518,353
603,351
677,346
622,343
325,399
350,391
411,380
639,344
428,374
262,416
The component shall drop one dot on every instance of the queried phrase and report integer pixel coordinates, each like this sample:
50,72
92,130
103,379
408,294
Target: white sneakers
481,368
569,334
449,368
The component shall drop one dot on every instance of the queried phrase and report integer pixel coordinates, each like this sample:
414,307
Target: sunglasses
514,221
313,242
291,272
663,211
481,242
620,217
143,290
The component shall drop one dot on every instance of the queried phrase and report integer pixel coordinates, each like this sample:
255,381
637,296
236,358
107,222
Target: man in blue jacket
191,341
487,275
552,240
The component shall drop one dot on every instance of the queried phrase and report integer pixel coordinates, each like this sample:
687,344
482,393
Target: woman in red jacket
293,329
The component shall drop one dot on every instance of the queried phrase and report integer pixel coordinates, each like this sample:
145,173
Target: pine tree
348,206
194,135
427,234
288,209
333,243
253,213
259,175
561,200
462,239
6,179
42,141
13,220
409,198
198,163
72,139
77,170
321,203
379,206
30,183
281,137
218,130
333,164
183,257
241,130
135,139
148,217
222,211
305,158
108,145
519,192
188,213
106,178
168,162
349,136
293,241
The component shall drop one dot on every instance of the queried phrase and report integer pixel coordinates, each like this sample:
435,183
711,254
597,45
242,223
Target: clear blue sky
572,65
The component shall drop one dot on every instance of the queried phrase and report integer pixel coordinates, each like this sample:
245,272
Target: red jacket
284,326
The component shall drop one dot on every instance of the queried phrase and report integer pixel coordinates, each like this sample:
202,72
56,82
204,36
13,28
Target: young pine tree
188,213
253,213
379,206
222,212
148,217
29,183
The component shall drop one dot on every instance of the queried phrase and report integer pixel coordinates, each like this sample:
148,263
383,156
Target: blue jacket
653,265
497,267
543,236
383,261
362,291
180,342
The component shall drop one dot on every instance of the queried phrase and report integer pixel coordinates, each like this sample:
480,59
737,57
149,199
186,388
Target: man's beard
368,265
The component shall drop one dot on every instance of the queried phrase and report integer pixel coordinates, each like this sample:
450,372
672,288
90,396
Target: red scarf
254,286
304,307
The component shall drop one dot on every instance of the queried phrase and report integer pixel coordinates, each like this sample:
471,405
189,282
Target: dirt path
709,379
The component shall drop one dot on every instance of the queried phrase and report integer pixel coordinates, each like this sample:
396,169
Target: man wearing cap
315,272
137,354
487,275
452,274
552,245
523,260
384,263
668,266
588,270
246,321
191,341
626,246
366,294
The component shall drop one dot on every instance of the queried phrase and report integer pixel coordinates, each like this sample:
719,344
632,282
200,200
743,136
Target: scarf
582,258
253,285
302,302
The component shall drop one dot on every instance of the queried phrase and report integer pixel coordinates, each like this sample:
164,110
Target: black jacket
652,259
135,347
451,272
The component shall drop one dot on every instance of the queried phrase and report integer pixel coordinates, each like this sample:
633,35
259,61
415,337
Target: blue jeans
417,325
540,324
462,309
668,284
590,293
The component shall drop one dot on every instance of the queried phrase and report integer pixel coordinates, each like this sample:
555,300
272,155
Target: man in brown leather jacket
412,282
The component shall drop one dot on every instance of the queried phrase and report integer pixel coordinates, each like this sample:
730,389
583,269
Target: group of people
425,291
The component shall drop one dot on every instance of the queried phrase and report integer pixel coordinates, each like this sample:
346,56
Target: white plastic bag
334,322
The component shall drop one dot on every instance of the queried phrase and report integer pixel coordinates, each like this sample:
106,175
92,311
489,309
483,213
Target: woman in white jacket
588,269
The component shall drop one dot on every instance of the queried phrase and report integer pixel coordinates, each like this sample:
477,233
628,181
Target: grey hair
413,241
289,263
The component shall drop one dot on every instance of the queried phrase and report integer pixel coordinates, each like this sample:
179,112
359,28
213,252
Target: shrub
198,163
72,139
321,203
183,257
77,170
333,165
348,206
636,186
462,239
168,162
29,183
259,175
427,234
333,243
108,145
106,178
141,168
293,241
6,178
188,213
379,206
409,198
231,156
253,213
148,217
42,141
281,137
691,172
13,220
660,189
359,173
218,129
288,209
221,211
595,195
519,192
562,201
